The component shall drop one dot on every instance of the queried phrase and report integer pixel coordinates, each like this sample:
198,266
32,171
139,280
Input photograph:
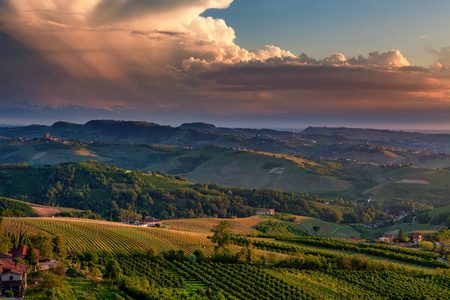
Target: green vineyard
90,235
17,208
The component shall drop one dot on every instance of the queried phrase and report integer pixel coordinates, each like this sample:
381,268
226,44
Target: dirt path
309,231
414,181
39,155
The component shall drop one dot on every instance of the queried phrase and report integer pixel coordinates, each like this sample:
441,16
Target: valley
334,196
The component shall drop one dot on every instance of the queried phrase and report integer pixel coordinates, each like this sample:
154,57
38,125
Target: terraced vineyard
91,235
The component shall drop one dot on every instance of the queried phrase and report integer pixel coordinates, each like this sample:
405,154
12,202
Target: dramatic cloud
442,55
163,56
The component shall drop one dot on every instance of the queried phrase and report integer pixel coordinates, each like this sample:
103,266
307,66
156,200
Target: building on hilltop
265,212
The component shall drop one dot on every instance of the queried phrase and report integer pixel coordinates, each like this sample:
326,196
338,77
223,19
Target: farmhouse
415,237
150,222
265,212
13,277
129,220
387,238
21,252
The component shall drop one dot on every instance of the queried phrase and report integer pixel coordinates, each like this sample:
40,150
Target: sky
242,63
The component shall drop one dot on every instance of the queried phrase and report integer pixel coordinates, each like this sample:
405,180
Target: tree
316,228
248,250
58,247
95,273
113,270
151,252
222,233
199,254
30,255
400,236
59,270
43,242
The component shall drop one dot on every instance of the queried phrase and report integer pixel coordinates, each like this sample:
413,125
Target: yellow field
203,226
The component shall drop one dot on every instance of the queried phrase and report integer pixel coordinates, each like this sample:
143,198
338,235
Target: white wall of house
6,276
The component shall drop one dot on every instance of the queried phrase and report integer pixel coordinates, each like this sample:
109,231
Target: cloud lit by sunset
170,58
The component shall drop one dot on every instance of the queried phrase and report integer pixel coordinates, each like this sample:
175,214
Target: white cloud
391,58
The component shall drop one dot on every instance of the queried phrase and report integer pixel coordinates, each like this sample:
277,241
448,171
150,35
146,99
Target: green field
251,169
245,226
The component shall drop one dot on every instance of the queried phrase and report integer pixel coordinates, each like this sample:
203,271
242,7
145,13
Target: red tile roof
22,251
13,266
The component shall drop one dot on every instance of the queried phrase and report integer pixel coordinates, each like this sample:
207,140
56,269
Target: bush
9,294
426,245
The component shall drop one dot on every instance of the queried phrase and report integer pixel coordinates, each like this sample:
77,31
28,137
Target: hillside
226,166
116,193
248,226
43,152
255,170
430,186
387,155
144,263
410,140
90,235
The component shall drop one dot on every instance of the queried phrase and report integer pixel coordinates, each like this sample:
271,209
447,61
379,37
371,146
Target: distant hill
187,135
252,169
410,140
256,170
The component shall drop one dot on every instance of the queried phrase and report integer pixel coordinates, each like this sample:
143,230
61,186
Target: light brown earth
42,211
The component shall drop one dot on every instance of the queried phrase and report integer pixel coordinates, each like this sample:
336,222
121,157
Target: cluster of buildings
265,212
147,222
414,237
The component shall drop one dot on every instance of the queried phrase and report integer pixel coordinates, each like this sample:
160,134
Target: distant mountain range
311,141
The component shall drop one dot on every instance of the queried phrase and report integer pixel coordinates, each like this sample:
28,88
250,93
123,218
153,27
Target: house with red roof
150,222
387,238
13,277
415,237
21,252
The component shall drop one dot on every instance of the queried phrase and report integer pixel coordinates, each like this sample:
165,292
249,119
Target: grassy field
409,182
128,156
250,169
407,228
327,229
203,226
248,225
445,209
